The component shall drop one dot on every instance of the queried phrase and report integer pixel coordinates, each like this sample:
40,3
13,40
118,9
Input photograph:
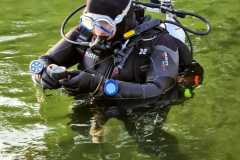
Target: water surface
35,126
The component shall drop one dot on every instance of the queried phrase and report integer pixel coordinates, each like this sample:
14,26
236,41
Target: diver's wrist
110,87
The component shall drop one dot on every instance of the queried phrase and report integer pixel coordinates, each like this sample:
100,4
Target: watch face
36,67
110,88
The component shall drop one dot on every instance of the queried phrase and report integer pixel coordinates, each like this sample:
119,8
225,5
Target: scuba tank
192,75
174,30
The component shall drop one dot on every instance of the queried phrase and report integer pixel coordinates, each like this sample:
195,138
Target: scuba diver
129,64
116,65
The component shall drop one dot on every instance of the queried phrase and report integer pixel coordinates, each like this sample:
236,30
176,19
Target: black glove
43,79
47,82
81,82
41,73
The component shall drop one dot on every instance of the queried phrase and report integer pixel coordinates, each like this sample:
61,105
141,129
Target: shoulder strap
142,28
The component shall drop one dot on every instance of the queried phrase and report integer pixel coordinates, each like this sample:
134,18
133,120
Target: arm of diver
64,53
160,78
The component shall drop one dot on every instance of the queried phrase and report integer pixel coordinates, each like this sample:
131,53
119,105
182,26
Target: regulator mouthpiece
95,42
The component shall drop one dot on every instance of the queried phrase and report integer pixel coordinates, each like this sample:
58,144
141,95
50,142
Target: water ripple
15,37
12,139
21,24
12,102
9,52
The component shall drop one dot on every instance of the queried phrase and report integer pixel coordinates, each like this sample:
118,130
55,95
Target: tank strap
142,28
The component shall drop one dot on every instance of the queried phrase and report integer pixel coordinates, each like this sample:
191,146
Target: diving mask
100,25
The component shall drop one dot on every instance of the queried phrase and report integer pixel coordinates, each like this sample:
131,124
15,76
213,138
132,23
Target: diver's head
108,19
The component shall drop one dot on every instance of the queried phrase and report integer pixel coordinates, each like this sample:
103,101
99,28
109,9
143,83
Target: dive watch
110,87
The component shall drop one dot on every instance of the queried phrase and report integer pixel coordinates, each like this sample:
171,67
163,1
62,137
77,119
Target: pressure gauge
36,66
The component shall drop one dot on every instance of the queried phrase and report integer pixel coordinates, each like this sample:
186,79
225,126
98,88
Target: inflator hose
181,14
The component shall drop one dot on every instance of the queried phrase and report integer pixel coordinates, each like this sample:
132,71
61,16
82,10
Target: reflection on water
21,141
11,102
9,52
15,37
144,125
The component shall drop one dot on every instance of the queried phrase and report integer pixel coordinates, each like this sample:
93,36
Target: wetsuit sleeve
160,78
64,53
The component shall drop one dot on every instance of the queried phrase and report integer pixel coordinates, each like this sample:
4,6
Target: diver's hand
81,82
41,71
45,81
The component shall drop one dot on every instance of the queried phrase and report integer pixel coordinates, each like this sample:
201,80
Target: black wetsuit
147,78
148,74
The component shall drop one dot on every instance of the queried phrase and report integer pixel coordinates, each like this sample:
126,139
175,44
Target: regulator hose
63,26
199,33
181,14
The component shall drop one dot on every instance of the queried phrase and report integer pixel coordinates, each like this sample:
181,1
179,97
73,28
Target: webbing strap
147,25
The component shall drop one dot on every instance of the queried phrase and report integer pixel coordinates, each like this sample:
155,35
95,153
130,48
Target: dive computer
110,87
36,66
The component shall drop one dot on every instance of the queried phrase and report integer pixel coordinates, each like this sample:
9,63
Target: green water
34,126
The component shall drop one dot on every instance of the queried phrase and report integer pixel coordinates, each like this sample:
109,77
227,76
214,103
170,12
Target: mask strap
120,17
